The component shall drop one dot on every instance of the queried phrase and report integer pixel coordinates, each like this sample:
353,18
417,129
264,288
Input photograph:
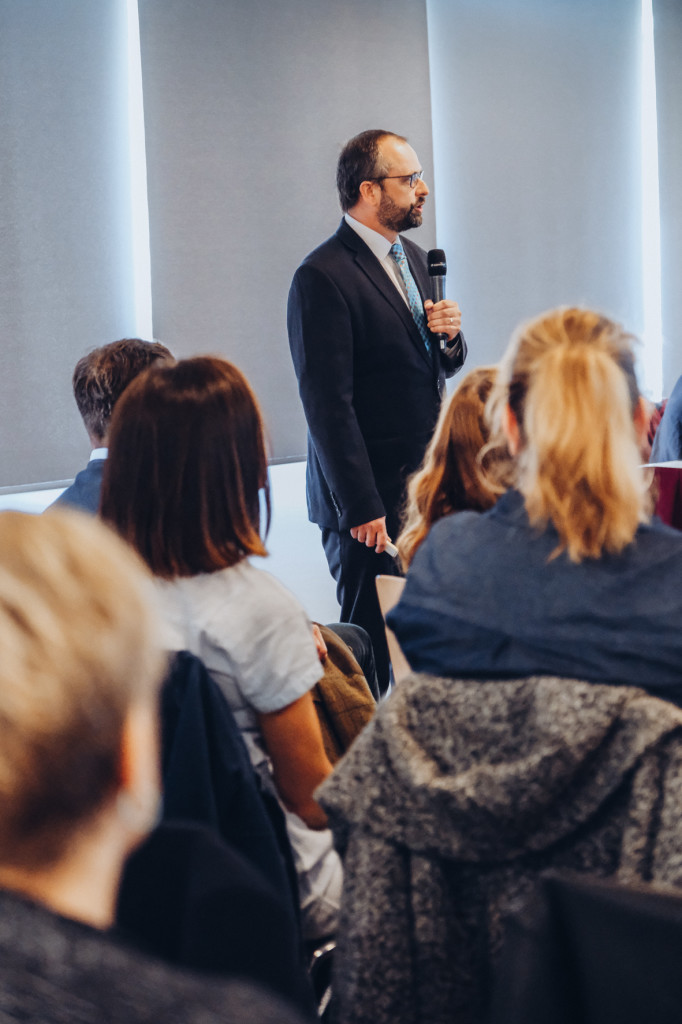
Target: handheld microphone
437,271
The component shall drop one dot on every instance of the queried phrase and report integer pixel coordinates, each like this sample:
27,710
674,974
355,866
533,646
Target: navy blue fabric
484,598
208,777
370,390
667,444
84,492
191,899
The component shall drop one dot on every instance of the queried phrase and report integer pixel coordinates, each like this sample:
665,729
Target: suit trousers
354,566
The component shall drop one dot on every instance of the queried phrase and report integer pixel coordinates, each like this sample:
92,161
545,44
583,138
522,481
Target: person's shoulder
327,249
161,994
44,955
676,393
455,525
143,989
456,543
84,492
251,583
659,535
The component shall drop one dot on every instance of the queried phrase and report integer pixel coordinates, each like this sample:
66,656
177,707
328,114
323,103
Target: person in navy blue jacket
567,575
370,370
99,380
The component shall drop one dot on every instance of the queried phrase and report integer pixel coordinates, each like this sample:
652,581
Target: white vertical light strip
440,134
142,274
651,360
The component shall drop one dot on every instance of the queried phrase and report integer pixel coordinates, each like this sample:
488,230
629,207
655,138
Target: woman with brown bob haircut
450,478
81,667
566,574
187,466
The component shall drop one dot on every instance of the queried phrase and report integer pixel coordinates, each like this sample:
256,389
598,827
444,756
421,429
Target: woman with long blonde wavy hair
450,478
567,574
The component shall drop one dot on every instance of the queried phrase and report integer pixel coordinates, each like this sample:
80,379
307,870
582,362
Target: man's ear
368,192
510,429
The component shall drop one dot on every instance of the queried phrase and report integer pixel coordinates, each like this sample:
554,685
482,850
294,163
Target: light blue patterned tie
414,299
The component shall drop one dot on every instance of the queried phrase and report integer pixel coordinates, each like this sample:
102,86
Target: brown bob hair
187,464
450,478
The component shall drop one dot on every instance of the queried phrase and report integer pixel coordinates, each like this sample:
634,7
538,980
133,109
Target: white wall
295,552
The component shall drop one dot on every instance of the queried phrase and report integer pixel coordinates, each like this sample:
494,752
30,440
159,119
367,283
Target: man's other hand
373,534
444,317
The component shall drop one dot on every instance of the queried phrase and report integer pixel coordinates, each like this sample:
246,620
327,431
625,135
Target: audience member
566,574
99,380
183,485
667,442
80,669
450,478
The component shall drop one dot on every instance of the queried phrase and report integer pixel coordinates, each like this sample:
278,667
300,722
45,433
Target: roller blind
536,150
65,281
668,43
246,108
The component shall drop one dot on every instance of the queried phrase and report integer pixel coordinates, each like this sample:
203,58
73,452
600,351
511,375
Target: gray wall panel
536,146
668,42
64,258
246,107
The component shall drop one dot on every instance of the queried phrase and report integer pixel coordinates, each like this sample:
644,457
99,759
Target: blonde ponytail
569,379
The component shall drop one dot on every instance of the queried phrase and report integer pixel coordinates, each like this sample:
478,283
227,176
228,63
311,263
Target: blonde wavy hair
81,644
569,379
450,478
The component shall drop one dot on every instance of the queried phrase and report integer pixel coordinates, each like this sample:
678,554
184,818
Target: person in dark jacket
567,574
99,380
363,336
667,442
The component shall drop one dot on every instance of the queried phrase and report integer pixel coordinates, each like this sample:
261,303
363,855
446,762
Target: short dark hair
359,161
187,462
101,377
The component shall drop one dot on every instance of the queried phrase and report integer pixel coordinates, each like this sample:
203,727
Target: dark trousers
354,566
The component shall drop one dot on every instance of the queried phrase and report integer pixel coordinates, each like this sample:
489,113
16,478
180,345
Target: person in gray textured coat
453,800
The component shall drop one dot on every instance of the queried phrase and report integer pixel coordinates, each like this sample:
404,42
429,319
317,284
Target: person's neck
370,220
83,885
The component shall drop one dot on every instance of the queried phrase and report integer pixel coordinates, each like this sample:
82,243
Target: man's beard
397,218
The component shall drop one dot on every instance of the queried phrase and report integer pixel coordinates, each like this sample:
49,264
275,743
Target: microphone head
436,261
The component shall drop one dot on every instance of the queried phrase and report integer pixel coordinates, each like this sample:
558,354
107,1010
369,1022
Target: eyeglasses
411,179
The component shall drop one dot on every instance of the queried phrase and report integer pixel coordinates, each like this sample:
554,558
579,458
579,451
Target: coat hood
488,770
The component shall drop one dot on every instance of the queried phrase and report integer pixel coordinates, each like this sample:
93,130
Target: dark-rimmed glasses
412,179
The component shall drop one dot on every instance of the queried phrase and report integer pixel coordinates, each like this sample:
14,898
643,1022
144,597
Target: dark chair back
589,951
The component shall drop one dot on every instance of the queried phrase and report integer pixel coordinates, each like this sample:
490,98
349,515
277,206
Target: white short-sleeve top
252,635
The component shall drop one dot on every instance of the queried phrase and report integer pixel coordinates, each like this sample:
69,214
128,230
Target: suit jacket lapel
369,264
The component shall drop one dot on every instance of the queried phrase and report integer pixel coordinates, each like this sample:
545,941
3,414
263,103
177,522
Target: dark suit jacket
370,390
84,492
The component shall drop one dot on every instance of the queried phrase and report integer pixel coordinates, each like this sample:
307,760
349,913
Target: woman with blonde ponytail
566,575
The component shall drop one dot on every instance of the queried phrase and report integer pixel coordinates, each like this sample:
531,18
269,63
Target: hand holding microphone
443,316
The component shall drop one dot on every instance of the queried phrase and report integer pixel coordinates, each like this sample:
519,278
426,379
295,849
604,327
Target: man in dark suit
99,380
370,370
